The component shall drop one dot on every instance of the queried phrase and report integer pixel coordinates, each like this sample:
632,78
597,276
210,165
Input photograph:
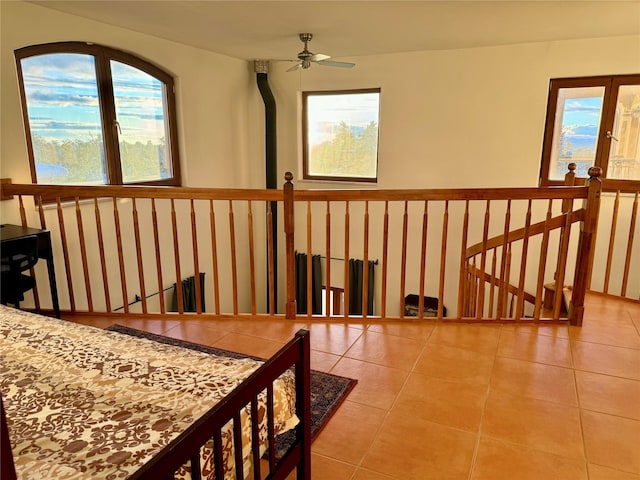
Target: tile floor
464,401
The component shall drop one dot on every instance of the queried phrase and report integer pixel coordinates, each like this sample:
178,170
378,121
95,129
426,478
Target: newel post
289,245
586,245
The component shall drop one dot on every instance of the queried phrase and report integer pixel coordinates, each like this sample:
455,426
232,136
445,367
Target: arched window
95,115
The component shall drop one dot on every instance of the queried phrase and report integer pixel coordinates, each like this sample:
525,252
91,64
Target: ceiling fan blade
336,64
295,67
319,57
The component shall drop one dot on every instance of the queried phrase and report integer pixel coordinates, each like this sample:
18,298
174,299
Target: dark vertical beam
271,166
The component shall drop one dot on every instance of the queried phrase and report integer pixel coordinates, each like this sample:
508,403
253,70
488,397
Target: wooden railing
117,249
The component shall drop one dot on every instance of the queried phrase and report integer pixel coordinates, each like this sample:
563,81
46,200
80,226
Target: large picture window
593,121
340,135
94,115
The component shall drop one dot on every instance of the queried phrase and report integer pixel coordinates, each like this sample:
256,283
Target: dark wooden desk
45,251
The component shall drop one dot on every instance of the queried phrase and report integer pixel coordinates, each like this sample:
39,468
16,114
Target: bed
82,402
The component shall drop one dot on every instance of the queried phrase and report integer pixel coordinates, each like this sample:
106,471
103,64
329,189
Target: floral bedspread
82,402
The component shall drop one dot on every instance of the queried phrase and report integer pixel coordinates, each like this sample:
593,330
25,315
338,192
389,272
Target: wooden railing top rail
535,193
135,191
520,233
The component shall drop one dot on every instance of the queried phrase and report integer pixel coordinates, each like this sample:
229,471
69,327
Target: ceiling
269,30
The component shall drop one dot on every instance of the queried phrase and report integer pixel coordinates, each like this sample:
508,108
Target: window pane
342,135
575,136
142,134
624,156
64,115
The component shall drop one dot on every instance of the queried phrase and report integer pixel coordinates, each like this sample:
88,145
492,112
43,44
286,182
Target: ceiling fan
306,57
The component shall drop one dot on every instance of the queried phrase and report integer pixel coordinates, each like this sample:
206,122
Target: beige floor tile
605,333
534,380
196,333
477,338
612,441
323,361
364,474
417,330
607,394
453,363
387,350
258,347
545,426
333,338
535,348
377,386
598,472
455,404
606,359
410,448
324,467
552,330
498,460
350,432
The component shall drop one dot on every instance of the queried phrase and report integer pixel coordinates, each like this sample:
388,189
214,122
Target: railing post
585,247
289,230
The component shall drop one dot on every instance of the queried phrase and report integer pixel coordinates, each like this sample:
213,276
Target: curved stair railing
492,287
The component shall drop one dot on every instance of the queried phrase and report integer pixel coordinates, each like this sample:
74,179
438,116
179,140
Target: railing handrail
452,194
52,192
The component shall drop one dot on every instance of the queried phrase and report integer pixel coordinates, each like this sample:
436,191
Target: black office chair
16,256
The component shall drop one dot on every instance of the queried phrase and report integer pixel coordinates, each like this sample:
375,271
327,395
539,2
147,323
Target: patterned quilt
82,402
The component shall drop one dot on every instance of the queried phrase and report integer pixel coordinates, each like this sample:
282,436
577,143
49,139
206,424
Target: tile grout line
476,447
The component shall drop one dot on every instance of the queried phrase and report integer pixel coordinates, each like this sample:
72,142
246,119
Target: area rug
328,391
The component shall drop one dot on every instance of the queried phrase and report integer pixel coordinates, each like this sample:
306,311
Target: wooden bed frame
185,448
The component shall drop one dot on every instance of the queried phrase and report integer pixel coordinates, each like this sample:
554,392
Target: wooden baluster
83,255
23,213
523,263
103,260
483,260
612,239
327,305
463,299
65,254
214,257
562,263
503,287
585,247
542,264
627,261
252,262
385,249
136,233
492,288
176,256
507,276
196,263
123,276
32,272
423,259
234,264
346,261
270,261
474,288
309,263
403,262
443,258
156,244
365,263
289,231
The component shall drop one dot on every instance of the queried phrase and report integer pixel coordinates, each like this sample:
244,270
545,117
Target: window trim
103,55
305,141
611,84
